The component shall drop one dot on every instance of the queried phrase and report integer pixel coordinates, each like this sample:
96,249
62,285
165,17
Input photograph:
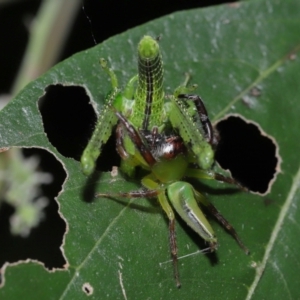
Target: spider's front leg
210,174
183,92
202,113
212,139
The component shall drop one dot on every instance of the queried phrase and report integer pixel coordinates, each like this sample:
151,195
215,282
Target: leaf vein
89,255
283,214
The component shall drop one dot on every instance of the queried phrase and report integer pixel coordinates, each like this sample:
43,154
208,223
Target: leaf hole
248,153
88,289
44,241
67,117
69,120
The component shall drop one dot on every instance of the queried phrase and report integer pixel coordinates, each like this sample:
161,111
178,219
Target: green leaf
121,248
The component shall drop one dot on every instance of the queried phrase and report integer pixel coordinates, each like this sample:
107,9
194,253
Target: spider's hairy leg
191,133
230,180
106,121
203,115
132,194
210,174
201,199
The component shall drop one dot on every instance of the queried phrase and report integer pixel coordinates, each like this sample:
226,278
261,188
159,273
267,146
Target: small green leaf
120,249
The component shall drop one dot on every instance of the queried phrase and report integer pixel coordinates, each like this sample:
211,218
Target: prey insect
170,137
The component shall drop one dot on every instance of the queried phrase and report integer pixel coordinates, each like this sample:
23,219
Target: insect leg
184,88
221,219
129,89
119,142
209,132
110,72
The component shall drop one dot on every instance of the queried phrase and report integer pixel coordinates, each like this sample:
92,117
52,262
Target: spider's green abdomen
148,108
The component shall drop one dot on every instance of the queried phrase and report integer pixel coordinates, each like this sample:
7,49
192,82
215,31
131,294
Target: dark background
107,19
